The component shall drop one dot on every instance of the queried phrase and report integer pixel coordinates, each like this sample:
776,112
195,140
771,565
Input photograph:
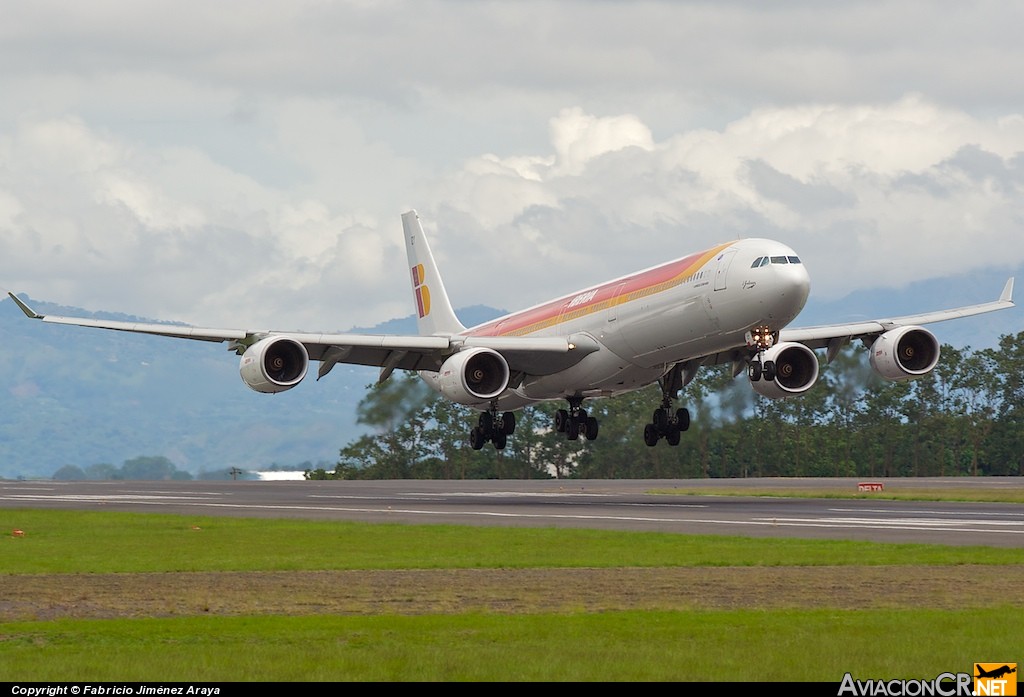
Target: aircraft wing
835,336
828,334
389,352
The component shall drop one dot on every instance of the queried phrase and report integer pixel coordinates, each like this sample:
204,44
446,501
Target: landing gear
492,427
665,423
761,338
574,421
756,370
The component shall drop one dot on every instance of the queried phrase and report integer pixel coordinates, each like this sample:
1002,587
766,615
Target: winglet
29,312
1007,294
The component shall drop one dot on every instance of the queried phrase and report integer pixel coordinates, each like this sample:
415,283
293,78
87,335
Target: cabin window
757,262
794,260
780,260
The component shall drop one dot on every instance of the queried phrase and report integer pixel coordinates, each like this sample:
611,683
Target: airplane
995,672
729,304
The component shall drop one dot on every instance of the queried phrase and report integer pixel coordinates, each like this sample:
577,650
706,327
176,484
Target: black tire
572,429
476,438
754,371
561,419
660,420
508,422
500,440
651,435
592,428
769,371
683,419
486,423
672,437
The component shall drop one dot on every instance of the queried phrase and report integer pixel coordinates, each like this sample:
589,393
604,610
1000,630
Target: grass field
130,597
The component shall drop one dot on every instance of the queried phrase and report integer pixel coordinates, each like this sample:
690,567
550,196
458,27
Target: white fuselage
646,322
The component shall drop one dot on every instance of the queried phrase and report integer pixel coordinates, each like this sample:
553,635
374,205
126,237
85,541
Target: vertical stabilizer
433,309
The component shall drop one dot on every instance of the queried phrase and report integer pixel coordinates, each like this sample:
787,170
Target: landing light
760,336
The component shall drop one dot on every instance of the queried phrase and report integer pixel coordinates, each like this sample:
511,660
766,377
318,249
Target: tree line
143,468
964,419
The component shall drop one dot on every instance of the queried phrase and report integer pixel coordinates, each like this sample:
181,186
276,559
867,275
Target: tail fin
435,312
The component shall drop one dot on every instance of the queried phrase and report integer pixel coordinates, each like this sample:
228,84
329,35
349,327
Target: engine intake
796,371
905,353
473,376
274,364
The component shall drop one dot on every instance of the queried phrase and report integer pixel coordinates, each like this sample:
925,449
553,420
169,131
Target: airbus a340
727,304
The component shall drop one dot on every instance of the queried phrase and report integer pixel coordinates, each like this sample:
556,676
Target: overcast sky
245,164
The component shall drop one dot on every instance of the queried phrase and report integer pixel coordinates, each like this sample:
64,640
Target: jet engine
274,364
473,376
796,371
905,353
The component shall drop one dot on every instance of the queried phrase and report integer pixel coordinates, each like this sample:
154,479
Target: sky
245,164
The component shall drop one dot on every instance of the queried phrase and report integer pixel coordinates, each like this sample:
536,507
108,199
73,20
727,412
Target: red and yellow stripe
601,298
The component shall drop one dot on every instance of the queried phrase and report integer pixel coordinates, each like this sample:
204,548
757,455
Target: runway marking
892,524
929,512
514,494
906,523
432,497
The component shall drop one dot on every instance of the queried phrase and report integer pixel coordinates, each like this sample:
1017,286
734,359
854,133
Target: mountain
78,396
982,331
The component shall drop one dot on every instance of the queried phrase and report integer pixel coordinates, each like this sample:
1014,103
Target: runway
608,504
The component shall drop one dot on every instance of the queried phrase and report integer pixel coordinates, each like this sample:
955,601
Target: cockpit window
763,261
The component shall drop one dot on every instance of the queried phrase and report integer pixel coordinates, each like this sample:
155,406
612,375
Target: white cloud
240,164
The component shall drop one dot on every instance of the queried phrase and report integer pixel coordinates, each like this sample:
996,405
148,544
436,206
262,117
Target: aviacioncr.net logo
943,685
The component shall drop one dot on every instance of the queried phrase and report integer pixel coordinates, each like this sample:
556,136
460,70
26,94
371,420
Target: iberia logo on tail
421,290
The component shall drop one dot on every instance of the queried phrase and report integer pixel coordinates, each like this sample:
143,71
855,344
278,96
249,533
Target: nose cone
786,292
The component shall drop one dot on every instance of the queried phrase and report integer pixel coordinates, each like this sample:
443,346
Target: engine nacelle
274,364
796,371
905,353
473,376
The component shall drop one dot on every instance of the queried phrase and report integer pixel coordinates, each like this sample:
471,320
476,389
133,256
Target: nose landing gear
761,338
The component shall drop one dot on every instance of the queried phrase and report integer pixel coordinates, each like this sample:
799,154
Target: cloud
246,164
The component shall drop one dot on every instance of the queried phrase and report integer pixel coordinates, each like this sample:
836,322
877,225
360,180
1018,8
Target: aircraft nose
797,284
790,287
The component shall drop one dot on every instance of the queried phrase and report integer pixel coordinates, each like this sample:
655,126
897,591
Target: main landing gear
666,424
575,421
493,427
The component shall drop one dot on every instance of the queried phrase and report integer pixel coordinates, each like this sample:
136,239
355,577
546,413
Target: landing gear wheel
754,371
683,419
651,435
572,429
660,419
508,423
486,422
476,438
592,428
672,437
500,440
561,419
769,371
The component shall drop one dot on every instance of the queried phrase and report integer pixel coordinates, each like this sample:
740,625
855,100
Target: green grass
692,645
95,542
734,645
